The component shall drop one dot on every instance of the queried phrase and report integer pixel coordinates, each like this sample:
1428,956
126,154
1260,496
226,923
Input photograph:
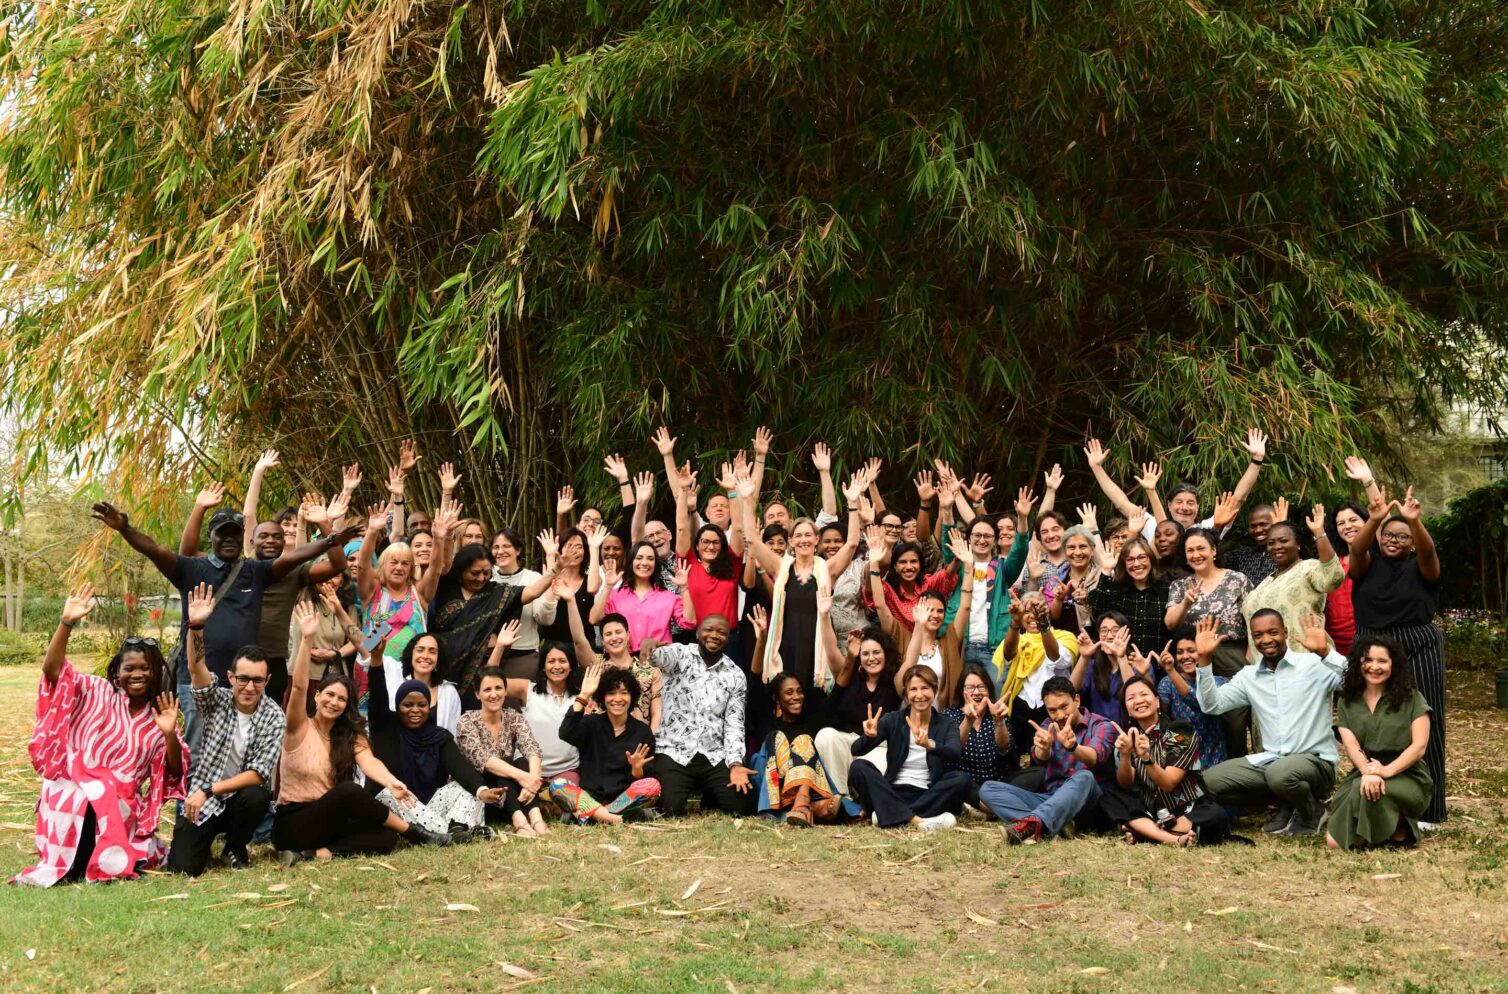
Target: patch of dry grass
772,908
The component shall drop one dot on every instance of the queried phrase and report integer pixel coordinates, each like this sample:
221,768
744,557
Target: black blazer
946,753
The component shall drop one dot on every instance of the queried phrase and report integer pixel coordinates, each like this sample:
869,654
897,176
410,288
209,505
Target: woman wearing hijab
446,793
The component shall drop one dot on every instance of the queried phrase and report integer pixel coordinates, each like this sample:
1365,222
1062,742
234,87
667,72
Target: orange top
304,772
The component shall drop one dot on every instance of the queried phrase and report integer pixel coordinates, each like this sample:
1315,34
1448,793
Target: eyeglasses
133,642
892,528
247,681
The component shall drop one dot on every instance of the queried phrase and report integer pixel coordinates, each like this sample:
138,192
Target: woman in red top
712,560
1340,618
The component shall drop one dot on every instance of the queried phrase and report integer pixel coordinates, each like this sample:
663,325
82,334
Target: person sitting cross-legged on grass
1384,724
1076,746
243,738
617,751
499,743
1157,796
921,786
1289,694
792,777
322,811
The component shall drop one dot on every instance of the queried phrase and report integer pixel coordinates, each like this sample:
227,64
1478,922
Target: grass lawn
714,905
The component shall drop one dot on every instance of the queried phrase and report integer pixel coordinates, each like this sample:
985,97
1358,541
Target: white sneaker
874,819
944,820
1429,826
969,811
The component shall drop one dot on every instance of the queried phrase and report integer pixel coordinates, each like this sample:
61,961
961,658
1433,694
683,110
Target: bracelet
396,500
1258,462
66,623
196,628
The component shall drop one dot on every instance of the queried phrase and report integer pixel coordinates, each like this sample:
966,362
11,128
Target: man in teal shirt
992,576
1289,695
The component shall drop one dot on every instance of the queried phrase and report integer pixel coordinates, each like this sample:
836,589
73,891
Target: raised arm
665,443
1212,698
1358,470
188,543
77,607
825,630
844,556
366,573
446,518
727,481
685,499
610,578
1378,508
926,493
116,520
1256,448
764,557
307,620
642,492
965,558
762,440
1095,453
1051,481
201,604
822,460
326,517
1424,545
266,461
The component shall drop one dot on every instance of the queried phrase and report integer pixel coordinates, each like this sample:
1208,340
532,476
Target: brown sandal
801,809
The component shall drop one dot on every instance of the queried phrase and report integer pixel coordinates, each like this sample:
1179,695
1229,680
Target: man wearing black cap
238,584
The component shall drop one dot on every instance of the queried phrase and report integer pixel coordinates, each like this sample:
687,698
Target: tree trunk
9,609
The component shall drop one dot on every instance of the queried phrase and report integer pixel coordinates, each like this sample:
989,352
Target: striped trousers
1426,649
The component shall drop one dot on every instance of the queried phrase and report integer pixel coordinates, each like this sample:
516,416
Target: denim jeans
1053,810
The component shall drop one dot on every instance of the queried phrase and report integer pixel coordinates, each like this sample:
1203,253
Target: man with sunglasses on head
243,739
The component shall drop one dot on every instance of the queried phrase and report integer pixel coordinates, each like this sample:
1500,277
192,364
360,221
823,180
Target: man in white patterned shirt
230,776
700,745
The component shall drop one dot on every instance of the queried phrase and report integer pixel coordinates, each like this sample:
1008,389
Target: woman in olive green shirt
1384,725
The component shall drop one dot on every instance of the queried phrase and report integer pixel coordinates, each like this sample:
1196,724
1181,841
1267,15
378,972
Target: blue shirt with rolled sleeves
1290,701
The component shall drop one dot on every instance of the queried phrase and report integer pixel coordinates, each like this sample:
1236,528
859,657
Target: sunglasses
133,642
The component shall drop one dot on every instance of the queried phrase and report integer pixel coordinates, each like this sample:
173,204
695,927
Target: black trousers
346,820
503,813
895,804
1122,805
277,681
238,821
700,776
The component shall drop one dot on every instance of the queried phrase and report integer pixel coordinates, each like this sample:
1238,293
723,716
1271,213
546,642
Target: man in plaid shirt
1077,748
230,776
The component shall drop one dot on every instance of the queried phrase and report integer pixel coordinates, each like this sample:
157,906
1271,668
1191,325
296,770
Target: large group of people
346,680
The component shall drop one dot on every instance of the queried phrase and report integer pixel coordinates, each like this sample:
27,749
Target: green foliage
1472,538
531,232
1475,640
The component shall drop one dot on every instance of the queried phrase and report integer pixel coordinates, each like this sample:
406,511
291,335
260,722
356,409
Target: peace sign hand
1141,744
1043,739
872,723
919,732
1123,744
1068,738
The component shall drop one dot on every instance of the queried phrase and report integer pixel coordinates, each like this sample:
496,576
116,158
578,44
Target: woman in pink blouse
641,598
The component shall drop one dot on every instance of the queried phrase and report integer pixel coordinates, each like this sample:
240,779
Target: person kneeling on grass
617,751
321,810
921,786
1384,725
1289,695
1076,747
1157,795
243,738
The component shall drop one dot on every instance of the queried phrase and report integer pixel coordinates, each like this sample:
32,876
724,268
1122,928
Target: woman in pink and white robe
108,758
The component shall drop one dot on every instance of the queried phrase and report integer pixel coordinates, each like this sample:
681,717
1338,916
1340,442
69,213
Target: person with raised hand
709,560
1157,796
1032,653
642,599
795,644
933,644
1289,694
865,681
1075,746
921,786
989,580
1137,591
239,585
208,498
1178,660
989,752
243,740
1395,586
1383,723
648,706
1106,665
109,755
1212,591
1297,586
322,811
617,751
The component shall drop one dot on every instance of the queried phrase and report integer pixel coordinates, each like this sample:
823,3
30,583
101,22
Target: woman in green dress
1384,725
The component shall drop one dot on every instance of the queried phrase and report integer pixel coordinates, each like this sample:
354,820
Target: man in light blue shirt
1289,695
